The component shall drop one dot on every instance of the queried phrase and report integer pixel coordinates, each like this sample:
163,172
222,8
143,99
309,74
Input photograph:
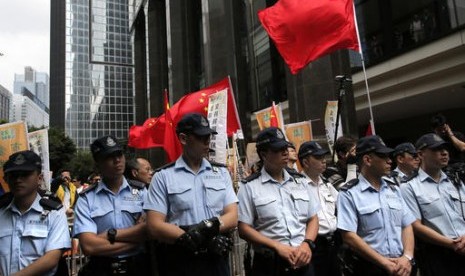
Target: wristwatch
111,235
410,259
310,243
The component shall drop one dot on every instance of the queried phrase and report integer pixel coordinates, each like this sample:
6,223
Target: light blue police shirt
24,238
99,209
279,211
438,203
186,197
378,217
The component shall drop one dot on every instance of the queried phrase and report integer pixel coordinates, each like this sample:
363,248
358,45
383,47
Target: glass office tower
98,73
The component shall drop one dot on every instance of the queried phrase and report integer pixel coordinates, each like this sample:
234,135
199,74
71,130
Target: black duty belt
116,265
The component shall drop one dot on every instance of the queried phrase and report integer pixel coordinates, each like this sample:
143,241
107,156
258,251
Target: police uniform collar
365,185
34,206
320,180
181,164
101,186
425,177
267,178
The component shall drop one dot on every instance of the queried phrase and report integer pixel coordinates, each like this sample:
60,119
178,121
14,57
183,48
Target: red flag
152,133
171,144
306,30
273,117
198,102
368,132
149,135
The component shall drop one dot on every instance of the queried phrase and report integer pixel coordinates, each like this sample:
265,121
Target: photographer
455,139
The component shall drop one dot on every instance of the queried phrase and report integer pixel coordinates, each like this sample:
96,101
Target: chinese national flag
306,30
152,133
171,144
198,102
149,135
273,117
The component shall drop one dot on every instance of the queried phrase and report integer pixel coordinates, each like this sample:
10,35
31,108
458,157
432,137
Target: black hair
131,164
344,144
438,120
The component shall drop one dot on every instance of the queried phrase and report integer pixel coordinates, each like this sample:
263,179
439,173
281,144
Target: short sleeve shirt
279,211
186,197
438,204
378,217
24,238
99,209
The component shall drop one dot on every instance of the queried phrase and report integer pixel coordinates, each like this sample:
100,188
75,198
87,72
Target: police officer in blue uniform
312,157
34,232
109,219
191,205
438,203
277,212
373,218
407,161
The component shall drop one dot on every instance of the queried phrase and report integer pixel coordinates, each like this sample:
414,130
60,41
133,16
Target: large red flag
198,102
171,144
152,133
306,30
149,135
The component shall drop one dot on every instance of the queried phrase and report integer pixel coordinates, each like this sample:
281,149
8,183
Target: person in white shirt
325,261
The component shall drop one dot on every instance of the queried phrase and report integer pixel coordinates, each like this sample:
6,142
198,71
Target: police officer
437,202
277,212
325,260
109,216
407,161
190,204
34,232
373,218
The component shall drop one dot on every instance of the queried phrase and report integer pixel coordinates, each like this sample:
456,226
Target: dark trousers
325,258
174,261
436,260
105,266
270,264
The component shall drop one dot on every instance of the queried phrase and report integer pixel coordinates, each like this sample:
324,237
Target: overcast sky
24,38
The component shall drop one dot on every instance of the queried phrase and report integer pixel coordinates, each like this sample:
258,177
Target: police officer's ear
420,154
366,158
182,138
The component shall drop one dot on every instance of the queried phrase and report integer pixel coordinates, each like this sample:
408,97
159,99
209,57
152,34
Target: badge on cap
19,160
279,134
111,142
203,121
436,138
318,146
382,142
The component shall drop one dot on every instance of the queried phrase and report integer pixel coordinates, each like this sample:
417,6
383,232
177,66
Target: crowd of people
376,211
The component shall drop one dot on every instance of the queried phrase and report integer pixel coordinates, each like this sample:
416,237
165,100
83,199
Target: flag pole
372,121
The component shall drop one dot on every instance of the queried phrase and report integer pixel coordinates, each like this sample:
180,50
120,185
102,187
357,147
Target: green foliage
82,165
3,121
62,149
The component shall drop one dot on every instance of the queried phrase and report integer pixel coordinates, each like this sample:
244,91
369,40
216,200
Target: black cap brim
281,144
436,145
204,131
320,152
384,150
26,168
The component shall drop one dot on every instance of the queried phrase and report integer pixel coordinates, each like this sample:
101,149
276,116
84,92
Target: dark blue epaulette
414,174
216,164
171,164
50,204
294,173
5,199
352,183
88,189
251,177
136,184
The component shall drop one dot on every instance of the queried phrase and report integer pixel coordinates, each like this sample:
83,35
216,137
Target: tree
82,165
62,149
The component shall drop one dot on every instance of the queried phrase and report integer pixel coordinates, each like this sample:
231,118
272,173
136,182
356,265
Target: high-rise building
35,82
25,109
91,69
5,103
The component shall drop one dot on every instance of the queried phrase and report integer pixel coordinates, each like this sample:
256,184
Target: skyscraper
35,82
91,69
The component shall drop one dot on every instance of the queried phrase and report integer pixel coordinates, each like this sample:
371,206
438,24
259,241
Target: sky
24,38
